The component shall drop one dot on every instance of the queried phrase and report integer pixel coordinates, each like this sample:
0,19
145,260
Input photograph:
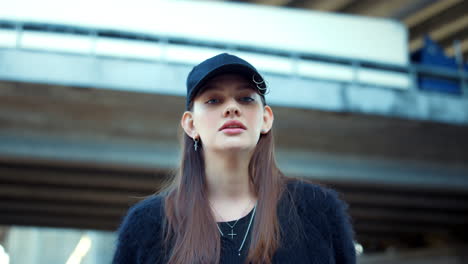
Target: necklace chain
248,228
246,232
227,223
232,233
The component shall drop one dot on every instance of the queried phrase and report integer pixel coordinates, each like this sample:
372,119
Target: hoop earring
258,83
195,145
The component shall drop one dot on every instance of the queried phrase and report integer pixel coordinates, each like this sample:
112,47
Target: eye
212,101
247,99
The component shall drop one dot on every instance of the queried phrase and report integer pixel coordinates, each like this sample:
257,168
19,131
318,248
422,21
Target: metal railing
413,71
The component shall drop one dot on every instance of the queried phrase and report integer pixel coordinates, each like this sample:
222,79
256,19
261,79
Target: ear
268,118
187,124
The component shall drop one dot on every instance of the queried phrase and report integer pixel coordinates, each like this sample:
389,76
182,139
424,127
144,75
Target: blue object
431,54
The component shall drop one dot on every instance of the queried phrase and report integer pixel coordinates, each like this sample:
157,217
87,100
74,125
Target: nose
232,109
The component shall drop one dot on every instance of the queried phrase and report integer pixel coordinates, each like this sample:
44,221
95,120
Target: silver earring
258,83
195,145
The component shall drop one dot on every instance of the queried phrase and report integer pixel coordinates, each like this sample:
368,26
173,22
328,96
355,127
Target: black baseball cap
221,64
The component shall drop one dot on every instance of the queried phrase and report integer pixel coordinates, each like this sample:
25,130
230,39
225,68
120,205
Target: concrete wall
285,90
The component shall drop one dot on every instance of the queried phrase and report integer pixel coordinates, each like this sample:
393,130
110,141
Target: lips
233,124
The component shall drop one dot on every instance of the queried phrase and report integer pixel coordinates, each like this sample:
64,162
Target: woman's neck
228,176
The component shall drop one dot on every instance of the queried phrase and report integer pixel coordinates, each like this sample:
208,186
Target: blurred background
370,98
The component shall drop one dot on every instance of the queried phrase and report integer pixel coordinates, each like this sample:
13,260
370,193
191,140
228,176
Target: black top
326,235
230,244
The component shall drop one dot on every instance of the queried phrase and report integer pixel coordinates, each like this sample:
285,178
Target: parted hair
190,232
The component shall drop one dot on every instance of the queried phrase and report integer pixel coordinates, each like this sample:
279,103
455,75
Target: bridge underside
79,157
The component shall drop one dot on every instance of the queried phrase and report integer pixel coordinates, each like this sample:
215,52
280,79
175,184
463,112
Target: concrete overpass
83,136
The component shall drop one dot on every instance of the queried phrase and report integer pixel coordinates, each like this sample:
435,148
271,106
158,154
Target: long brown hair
191,235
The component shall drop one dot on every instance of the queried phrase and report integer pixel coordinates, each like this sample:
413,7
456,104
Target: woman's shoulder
144,214
313,196
139,229
325,215
151,205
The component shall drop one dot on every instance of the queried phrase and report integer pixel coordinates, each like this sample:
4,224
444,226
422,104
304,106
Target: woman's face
228,97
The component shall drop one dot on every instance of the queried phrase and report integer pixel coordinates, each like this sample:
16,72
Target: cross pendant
232,234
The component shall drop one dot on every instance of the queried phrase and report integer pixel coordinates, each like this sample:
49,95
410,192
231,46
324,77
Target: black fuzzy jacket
325,236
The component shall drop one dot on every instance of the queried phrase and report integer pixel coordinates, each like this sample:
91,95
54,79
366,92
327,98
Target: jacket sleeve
342,230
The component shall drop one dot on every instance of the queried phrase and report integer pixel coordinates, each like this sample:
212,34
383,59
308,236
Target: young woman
229,202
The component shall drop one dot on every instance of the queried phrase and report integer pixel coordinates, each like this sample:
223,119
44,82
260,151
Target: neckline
242,219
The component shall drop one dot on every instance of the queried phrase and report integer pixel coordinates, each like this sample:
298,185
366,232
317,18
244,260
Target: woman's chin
235,147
